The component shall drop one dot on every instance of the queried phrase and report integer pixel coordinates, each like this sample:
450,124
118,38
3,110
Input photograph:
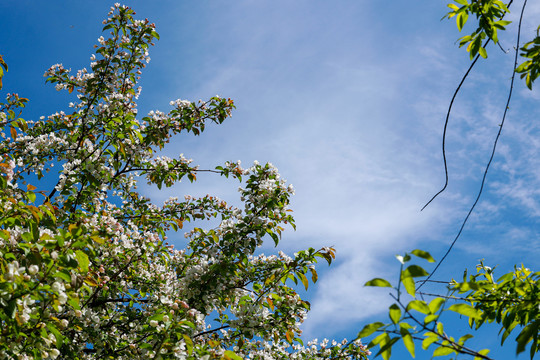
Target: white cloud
353,118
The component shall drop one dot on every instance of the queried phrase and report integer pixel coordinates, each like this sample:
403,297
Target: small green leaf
483,53
9,309
525,336
440,328
378,282
304,280
394,313
435,304
423,254
229,355
82,259
461,19
369,329
189,343
58,336
443,350
430,339
481,352
314,275
31,197
409,284
430,318
419,306
381,338
155,34
386,346
415,271
464,338
407,340
64,275
465,309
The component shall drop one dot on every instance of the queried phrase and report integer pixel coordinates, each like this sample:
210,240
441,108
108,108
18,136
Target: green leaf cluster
489,16
530,69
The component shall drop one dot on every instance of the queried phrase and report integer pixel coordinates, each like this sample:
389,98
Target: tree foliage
85,269
512,301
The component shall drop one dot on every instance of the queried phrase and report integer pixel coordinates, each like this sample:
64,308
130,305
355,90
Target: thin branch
211,331
446,127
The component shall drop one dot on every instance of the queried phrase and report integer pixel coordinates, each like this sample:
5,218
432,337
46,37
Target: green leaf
64,275
430,339
314,275
415,271
443,350
409,284
464,338
31,197
304,280
83,260
189,343
381,338
481,352
506,277
407,340
378,282
528,81
9,309
509,326
483,53
369,329
465,309
474,46
453,7
461,19
430,318
435,304
423,254
229,355
525,336
394,313
419,306
386,346
58,336
440,328
155,34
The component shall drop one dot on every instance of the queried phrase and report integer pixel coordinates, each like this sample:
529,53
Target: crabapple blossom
86,270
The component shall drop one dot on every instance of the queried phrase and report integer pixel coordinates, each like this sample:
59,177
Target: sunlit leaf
408,341
369,329
465,309
394,313
423,254
443,351
378,282
420,306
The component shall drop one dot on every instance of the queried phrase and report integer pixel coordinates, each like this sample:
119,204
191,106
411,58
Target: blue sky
347,98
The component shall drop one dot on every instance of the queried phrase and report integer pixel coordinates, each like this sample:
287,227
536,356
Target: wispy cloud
353,118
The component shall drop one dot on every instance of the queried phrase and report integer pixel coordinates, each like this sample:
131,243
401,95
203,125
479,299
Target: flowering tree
85,272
